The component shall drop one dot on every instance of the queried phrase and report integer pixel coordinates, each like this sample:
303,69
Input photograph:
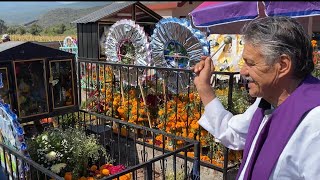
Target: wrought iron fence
147,153
147,119
17,166
163,99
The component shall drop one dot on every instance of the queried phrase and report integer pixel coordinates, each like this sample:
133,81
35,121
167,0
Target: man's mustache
247,78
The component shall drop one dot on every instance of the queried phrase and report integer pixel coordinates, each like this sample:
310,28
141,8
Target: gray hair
281,35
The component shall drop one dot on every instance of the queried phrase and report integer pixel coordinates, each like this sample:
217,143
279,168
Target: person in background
5,38
280,131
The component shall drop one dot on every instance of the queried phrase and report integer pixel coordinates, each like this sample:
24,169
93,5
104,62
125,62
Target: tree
12,30
21,30
3,27
35,29
60,29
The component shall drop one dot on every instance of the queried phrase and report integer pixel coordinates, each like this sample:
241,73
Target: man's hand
203,71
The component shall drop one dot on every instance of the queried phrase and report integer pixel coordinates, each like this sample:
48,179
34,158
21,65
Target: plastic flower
51,155
58,167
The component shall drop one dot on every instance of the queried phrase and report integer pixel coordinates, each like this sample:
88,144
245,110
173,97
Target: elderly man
280,132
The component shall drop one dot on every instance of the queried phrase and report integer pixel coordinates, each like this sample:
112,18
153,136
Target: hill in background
19,13
45,18
63,15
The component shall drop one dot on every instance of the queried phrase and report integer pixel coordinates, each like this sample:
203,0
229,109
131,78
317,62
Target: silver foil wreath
127,43
175,44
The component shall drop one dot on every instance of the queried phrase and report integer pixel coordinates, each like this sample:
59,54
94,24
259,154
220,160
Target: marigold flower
105,172
124,177
105,166
314,43
93,168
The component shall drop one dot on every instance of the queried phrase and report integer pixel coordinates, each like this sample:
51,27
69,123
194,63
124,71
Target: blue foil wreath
175,44
175,31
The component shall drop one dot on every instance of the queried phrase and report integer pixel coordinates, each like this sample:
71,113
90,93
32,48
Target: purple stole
278,129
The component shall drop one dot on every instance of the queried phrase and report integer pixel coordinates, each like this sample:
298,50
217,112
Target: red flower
116,169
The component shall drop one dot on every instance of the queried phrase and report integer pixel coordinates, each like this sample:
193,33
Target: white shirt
300,158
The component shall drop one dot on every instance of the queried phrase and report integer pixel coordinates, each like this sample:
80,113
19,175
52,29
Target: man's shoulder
308,128
311,122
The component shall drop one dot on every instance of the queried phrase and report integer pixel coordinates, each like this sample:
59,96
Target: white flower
51,156
57,167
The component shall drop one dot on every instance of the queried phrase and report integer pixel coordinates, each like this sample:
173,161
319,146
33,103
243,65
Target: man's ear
285,65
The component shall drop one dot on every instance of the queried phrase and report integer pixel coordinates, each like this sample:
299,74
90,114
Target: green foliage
12,30
3,27
35,29
240,100
56,29
67,120
21,30
54,22
65,150
63,15
48,31
127,51
316,73
60,29
71,31
179,175
16,30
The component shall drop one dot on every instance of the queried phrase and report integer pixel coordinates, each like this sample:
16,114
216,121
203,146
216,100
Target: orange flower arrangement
180,115
133,110
175,114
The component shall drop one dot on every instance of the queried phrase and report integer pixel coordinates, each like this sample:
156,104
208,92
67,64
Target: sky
66,2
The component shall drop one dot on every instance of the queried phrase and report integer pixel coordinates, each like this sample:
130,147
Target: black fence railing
17,166
146,118
138,148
